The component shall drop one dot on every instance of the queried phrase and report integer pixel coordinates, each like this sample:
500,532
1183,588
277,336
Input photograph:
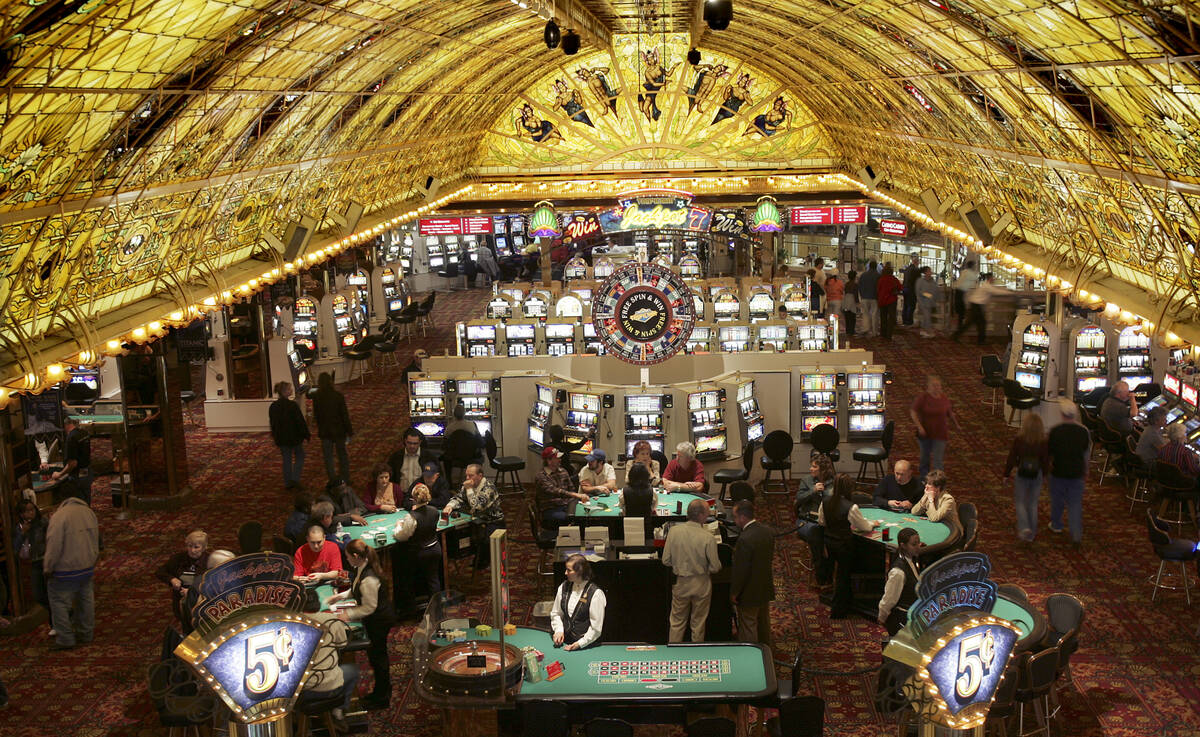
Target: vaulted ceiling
147,145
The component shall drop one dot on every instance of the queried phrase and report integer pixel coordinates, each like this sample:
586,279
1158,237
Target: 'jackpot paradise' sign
666,208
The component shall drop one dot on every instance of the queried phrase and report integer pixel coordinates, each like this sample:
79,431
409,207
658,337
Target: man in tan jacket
691,552
72,548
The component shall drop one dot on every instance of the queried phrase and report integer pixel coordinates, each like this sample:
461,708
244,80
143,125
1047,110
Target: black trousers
849,317
975,317
887,320
842,553
377,656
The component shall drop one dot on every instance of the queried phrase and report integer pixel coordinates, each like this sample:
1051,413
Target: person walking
77,461
926,290
752,588
691,552
290,432
850,302
835,292
977,301
1030,457
968,279
1069,444
887,290
868,296
931,413
912,272
72,549
333,427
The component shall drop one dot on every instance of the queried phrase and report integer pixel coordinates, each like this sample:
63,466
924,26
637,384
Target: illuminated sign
581,224
263,567
1188,394
962,675
729,222
1171,384
766,217
208,614
958,581
440,226
636,216
477,225
544,222
852,215
811,215
893,227
658,209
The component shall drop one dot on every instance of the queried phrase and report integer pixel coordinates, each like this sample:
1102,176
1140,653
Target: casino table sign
643,313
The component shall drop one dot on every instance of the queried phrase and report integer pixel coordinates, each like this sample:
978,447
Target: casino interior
568,296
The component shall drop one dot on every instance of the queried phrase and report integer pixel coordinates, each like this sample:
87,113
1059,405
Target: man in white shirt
406,463
577,618
977,300
900,591
968,279
598,476
691,552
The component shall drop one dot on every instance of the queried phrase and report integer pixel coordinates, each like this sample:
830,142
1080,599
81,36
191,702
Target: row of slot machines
431,404
330,326
1082,356
576,269
1181,399
561,337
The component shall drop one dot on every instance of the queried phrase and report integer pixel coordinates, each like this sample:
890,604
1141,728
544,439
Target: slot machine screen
656,444
754,432
1188,394
302,378
431,429
1192,428
535,307
585,402
813,421
1174,414
481,332
560,330
1145,409
485,426
711,444
396,305
473,386
91,381
1171,385
866,423
1136,381
702,400
1029,380
1092,382
536,436
541,411
519,331
428,388
580,419
745,391
643,403
545,394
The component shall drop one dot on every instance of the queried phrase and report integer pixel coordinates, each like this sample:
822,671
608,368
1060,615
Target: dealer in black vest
900,591
577,618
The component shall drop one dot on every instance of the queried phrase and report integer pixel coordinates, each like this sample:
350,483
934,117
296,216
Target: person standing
900,589
868,295
1030,457
72,549
421,550
29,540
888,293
333,427
840,517
850,303
77,461
691,552
1069,444
752,588
968,279
931,413
926,291
835,293
290,432
374,610
977,300
554,491
912,272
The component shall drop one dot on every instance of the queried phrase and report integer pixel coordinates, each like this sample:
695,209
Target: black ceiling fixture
570,43
718,14
551,35
693,57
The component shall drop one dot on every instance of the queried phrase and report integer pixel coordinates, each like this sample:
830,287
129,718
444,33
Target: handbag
1029,467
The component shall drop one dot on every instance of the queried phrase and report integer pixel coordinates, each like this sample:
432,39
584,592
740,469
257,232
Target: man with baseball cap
439,490
419,356
598,477
553,490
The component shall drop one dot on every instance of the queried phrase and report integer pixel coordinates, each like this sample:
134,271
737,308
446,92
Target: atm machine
706,422
477,338
750,419
481,400
818,402
645,419
865,403
427,408
1089,363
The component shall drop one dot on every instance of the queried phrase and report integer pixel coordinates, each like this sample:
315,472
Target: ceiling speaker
570,43
551,35
718,13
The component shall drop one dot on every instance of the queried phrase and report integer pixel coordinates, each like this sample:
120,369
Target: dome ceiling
146,147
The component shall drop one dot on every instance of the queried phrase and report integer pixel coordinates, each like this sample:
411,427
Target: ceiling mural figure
705,84
654,76
541,131
570,102
597,83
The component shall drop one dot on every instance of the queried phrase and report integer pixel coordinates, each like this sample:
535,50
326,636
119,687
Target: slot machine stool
359,359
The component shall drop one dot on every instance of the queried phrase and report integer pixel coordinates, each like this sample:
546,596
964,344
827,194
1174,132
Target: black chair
825,439
1114,449
777,456
406,318
740,490
970,531
787,687
992,371
1014,592
1175,489
967,512
181,704
385,350
544,719
250,537
1004,705
801,716
877,455
543,538
1138,475
282,544
460,450
359,359
727,476
1167,548
451,273
425,311
658,455
186,398
1145,392
1019,399
712,727
510,465
1033,688
607,727
1094,398
1065,614
319,706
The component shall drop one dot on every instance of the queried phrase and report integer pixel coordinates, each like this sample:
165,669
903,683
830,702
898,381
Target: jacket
753,560
35,537
72,541
888,290
288,428
333,419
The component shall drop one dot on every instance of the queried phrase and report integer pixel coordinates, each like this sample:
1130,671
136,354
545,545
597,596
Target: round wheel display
473,668
643,313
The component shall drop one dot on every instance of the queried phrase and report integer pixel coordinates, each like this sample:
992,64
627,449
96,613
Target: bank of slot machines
427,408
689,267
560,338
734,338
700,341
818,402
435,253
706,417
476,396
575,268
645,419
360,283
569,305
343,323
582,418
1133,357
536,305
749,415
760,305
499,308
818,335
539,417
1090,364
478,339
865,405
1032,359
772,336
521,338
305,325
726,306
592,343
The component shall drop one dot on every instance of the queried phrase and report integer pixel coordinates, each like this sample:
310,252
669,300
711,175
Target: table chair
712,727
250,538
777,454
1004,705
543,538
183,707
452,274
740,490
1033,688
318,706
727,476
544,718
607,727
876,454
800,716
1065,615
460,450
1114,449
406,319
1167,548
824,439
508,481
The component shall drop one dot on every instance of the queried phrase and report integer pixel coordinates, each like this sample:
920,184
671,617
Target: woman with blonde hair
418,557
1030,456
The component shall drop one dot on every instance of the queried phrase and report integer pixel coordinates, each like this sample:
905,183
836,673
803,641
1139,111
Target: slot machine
499,307
478,339
453,249
582,418
435,253
520,337
536,305
569,306
1134,364
698,293
818,402
772,336
395,305
602,268
645,418
387,280
575,268
865,404
539,417
734,338
689,267
427,408
500,229
471,246
389,248
1089,364
344,334
518,243
406,254
560,338
591,342
726,305
706,423
794,298
480,398
750,417
305,327
360,283
700,341
761,304
1036,350
664,248
812,335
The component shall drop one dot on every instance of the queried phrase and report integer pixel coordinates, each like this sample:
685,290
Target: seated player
900,591
317,560
460,422
297,522
577,618
598,476
1176,451
638,498
183,570
381,495
553,490
431,478
936,504
641,454
684,472
899,490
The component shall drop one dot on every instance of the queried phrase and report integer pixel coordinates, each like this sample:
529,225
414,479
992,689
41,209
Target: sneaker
1055,530
53,633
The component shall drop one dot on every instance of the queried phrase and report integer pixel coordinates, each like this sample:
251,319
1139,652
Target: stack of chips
483,630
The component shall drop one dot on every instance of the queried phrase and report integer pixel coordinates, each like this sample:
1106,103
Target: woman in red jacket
888,289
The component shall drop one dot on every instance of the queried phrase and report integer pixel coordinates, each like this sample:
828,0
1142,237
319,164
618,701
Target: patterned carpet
1137,672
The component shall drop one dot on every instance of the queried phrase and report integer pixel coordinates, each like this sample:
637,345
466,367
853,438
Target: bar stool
992,371
358,360
1175,550
877,455
508,481
1178,491
777,451
1019,399
1139,473
727,476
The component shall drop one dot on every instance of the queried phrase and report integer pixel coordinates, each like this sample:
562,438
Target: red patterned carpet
1137,672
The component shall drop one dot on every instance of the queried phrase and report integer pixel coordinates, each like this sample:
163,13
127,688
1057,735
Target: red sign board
440,226
851,215
893,227
811,216
477,225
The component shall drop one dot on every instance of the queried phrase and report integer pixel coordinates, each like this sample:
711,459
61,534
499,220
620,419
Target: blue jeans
1067,493
932,454
72,609
554,518
328,447
1025,498
293,463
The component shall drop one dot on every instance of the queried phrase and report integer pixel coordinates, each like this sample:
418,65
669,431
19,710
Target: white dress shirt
858,522
894,587
410,471
595,612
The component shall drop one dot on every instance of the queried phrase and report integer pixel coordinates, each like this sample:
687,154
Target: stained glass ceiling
147,147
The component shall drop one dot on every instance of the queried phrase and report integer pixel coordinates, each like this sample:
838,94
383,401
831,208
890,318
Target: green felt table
609,506
932,533
1028,620
385,523
98,419
665,673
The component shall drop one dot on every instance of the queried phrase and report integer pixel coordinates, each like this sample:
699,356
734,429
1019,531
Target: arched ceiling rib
145,146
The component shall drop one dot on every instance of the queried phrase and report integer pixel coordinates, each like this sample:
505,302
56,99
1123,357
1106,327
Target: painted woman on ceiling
736,95
597,83
769,123
570,102
704,85
541,131
655,77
